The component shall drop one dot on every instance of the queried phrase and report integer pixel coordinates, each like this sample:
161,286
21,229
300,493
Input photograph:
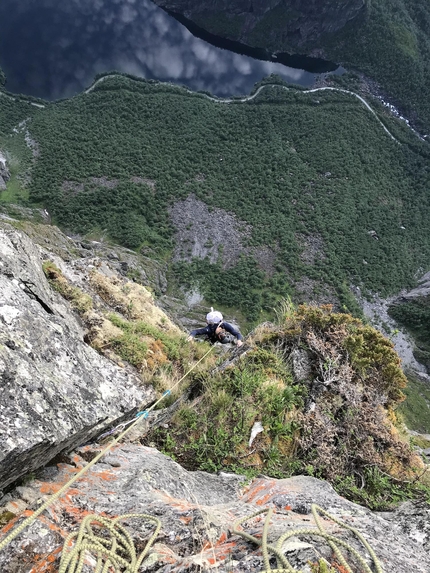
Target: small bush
336,423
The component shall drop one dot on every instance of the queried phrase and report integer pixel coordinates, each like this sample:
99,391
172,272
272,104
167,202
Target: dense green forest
389,41
297,167
391,45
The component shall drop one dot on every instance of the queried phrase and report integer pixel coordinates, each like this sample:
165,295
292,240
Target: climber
217,330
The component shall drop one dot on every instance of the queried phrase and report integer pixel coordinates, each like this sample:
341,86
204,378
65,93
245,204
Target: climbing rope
283,565
116,551
139,416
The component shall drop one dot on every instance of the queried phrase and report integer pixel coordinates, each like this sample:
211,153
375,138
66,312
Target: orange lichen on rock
259,487
185,520
105,475
49,488
45,563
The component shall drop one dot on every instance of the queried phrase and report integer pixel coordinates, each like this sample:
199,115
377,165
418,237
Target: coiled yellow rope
283,565
115,552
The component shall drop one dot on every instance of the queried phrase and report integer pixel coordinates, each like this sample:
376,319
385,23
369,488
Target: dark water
53,49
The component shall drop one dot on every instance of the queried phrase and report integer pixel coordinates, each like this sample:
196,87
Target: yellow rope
118,550
15,532
283,565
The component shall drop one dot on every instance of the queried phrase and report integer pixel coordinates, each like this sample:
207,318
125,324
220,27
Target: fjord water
53,49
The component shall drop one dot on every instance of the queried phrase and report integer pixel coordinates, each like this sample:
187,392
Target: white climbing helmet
213,317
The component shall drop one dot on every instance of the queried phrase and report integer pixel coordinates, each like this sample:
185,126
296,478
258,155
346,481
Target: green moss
5,517
164,354
381,492
322,567
373,355
131,348
175,344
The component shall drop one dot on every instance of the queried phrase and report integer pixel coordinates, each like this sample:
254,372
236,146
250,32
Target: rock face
215,234
201,233
56,391
4,171
422,290
412,310
197,512
273,24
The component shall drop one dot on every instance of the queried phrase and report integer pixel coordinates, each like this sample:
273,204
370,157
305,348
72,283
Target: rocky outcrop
412,310
420,291
214,234
4,172
197,512
277,25
56,391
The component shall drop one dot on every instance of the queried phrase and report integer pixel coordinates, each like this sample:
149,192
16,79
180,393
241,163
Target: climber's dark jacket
210,329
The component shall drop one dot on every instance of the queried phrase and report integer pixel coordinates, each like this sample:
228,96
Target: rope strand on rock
29,520
283,565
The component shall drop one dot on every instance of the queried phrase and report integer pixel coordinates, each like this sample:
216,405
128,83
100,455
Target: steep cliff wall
56,392
273,24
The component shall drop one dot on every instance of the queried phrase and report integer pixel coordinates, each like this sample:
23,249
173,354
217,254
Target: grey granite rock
197,512
420,291
56,391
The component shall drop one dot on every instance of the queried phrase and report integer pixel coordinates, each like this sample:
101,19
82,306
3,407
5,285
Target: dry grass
80,301
132,300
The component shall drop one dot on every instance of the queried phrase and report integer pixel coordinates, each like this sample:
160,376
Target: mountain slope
323,387
389,40
280,22
311,176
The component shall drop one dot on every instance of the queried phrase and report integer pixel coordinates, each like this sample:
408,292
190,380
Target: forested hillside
302,169
388,40
392,46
